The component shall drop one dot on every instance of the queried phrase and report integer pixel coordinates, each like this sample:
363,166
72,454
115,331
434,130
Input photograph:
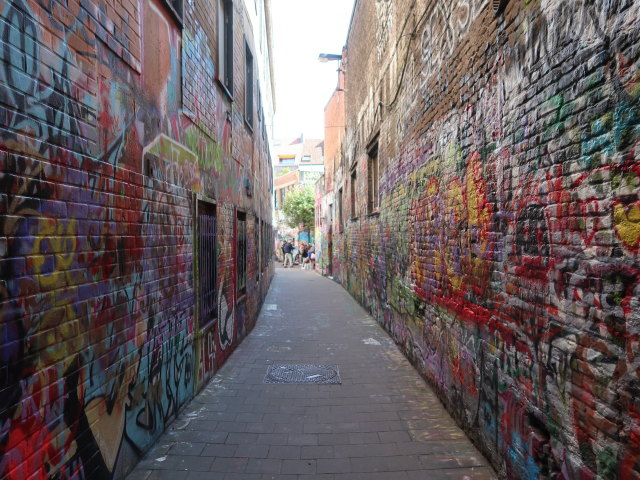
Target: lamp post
325,57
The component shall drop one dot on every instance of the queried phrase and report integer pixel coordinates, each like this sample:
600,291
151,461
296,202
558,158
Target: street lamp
325,57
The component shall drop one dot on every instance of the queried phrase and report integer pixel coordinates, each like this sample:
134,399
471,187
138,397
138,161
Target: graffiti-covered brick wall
126,175
503,256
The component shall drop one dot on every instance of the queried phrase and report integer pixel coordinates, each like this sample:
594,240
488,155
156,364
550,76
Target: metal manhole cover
318,374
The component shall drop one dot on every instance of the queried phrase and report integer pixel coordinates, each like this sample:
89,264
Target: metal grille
314,374
241,252
207,262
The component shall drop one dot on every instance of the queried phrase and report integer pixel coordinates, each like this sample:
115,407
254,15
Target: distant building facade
328,205
297,163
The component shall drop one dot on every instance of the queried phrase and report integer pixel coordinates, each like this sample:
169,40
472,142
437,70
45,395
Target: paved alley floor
381,423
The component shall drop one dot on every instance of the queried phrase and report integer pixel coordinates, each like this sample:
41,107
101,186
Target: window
241,252
263,244
256,246
176,8
353,192
306,158
207,259
287,160
225,44
340,210
275,200
373,175
248,102
266,244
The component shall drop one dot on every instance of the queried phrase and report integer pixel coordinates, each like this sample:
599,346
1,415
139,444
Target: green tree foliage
298,207
283,172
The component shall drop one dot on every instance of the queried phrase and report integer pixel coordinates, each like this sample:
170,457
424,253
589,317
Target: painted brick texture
106,151
504,259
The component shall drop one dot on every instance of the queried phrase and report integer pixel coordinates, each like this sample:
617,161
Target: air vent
498,6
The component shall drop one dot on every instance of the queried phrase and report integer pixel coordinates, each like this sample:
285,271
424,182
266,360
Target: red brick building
328,200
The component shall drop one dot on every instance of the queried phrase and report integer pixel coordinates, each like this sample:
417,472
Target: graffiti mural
100,167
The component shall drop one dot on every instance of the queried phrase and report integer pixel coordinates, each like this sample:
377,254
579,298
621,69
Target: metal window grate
309,374
241,252
207,262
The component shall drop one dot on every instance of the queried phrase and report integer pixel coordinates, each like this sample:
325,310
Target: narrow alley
377,419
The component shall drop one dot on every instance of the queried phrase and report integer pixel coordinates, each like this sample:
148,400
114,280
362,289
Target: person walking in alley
288,257
304,256
312,257
281,251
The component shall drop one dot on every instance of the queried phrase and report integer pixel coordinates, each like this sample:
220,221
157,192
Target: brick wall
106,144
504,259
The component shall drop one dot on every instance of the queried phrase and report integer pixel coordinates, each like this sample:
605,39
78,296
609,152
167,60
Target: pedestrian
304,254
296,254
287,248
312,257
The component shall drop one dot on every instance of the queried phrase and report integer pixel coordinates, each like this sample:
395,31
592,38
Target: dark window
373,196
248,102
241,252
225,44
287,160
176,8
266,245
207,263
340,210
353,192
256,242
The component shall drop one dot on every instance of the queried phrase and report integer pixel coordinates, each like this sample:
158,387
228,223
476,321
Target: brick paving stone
261,428
317,428
285,452
217,450
226,465
167,475
264,465
363,437
273,439
334,465
382,423
333,438
394,437
187,448
298,467
320,451
318,476
241,438
302,439
243,476
252,451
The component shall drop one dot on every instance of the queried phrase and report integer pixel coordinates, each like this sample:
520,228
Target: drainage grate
317,374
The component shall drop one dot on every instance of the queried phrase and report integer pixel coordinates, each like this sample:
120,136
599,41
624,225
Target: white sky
302,29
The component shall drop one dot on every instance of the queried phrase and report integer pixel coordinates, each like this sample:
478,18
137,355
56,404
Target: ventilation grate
498,6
